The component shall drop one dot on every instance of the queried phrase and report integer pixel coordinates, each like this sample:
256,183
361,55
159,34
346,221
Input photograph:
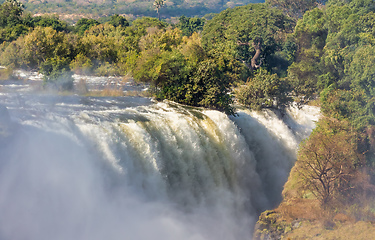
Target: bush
263,91
81,64
57,74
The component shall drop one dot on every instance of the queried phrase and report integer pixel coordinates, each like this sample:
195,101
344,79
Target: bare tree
327,162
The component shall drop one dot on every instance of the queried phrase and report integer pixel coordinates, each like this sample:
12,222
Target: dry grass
107,92
345,231
138,94
303,209
308,220
5,73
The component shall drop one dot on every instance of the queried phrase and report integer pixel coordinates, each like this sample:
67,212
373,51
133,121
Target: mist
50,189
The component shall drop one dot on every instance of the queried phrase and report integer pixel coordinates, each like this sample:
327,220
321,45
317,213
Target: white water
91,168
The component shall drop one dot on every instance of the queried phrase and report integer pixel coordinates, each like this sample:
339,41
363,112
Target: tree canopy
252,34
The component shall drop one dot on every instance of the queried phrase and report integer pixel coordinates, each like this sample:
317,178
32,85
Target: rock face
268,227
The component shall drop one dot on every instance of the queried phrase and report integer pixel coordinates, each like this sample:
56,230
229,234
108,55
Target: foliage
98,44
263,91
333,61
57,74
44,43
252,34
310,36
84,24
81,64
115,20
180,70
329,160
48,21
11,22
118,21
141,24
9,34
190,25
11,13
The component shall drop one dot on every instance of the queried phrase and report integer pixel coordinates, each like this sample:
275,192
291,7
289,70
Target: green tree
84,24
99,44
264,90
57,74
252,34
81,64
49,21
190,25
11,13
11,21
11,55
307,74
117,20
345,74
9,34
141,24
44,43
180,70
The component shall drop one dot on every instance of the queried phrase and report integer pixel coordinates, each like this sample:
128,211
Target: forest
261,55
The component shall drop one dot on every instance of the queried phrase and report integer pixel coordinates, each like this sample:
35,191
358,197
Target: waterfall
100,168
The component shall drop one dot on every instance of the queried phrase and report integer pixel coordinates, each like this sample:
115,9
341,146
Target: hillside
74,9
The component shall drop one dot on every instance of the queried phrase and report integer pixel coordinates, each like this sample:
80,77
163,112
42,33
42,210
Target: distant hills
75,9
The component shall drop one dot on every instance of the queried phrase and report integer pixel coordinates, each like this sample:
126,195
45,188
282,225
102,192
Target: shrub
57,74
263,91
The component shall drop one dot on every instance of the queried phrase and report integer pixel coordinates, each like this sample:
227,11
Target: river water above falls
74,167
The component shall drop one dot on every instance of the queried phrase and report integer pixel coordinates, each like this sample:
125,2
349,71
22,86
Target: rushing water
77,168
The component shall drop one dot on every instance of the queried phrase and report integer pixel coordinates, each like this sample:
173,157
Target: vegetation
73,10
189,25
262,55
329,160
264,91
57,74
253,34
158,4
335,166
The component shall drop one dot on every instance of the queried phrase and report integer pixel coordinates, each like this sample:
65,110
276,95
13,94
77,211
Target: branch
243,43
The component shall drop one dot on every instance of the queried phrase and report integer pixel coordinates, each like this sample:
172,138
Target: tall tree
158,4
252,34
328,161
10,13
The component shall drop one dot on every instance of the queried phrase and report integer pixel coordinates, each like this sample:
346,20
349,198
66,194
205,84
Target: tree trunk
258,51
256,56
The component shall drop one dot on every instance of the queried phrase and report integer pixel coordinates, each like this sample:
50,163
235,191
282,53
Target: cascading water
125,168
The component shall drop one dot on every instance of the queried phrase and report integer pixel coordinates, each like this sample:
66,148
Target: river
76,167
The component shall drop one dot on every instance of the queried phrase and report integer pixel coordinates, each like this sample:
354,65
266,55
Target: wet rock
270,227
